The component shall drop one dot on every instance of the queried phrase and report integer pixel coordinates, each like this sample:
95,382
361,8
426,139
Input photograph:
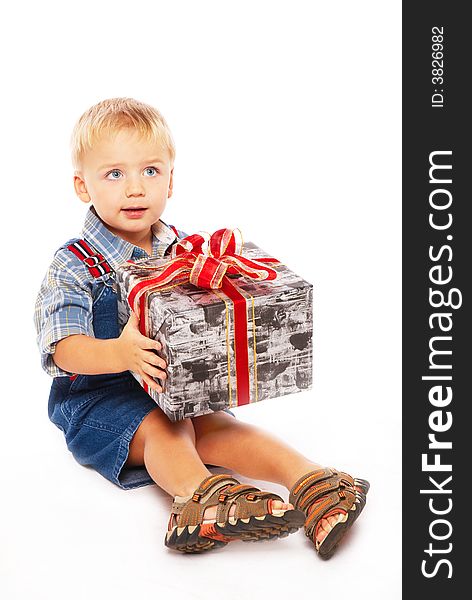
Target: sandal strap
222,491
307,480
249,501
316,491
317,484
191,511
233,491
345,477
210,484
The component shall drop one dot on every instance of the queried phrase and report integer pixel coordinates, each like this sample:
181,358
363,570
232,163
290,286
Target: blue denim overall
99,414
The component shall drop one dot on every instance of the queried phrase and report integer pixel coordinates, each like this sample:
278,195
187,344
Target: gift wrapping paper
195,327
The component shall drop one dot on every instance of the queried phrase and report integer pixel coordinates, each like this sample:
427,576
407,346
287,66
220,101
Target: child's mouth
134,212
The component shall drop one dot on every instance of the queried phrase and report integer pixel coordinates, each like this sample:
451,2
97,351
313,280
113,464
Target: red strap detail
174,230
240,340
142,328
95,262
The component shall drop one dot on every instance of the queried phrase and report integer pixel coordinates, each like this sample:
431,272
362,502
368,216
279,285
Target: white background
286,117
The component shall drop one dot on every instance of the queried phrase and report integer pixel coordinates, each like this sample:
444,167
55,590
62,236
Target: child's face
128,180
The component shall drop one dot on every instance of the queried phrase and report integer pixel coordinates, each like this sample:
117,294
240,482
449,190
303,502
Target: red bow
205,261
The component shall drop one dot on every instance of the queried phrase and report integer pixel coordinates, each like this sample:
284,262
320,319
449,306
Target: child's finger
150,344
153,359
154,372
151,383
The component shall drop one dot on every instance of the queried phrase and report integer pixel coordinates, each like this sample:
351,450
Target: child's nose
134,187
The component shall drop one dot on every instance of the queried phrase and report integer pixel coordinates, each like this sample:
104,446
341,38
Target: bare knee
155,424
216,421
209,428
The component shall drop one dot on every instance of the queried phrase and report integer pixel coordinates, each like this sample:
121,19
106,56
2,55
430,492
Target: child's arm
64,324
131,351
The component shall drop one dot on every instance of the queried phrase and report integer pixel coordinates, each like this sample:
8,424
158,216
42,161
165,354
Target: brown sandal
254,518
326,492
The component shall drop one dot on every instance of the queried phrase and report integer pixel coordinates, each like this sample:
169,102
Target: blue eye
151,171
115,174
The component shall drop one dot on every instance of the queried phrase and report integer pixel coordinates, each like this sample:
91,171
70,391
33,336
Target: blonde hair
113,115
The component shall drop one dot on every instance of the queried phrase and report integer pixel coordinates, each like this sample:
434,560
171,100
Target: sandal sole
190,541
256,529
253,530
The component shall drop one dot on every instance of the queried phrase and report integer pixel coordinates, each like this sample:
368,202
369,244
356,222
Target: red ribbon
205,261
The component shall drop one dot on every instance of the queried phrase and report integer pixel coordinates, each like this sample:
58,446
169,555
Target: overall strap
174,230
95,262
169,249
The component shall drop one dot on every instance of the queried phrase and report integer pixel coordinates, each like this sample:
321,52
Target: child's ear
171,183
80,187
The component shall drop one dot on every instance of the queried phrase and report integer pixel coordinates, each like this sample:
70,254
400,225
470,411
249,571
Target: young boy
123,155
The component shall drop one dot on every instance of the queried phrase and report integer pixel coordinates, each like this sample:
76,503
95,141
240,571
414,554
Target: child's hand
137,353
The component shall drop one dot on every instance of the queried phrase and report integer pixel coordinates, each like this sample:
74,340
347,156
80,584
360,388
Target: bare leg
168,451
223,440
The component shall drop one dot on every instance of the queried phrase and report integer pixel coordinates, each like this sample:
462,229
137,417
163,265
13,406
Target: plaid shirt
64,303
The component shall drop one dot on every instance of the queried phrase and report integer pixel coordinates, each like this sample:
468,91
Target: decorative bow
203,260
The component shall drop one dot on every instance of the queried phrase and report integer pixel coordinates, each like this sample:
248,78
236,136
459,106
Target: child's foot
328,523
331,501
222,510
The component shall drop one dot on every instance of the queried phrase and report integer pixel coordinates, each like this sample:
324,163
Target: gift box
235,325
